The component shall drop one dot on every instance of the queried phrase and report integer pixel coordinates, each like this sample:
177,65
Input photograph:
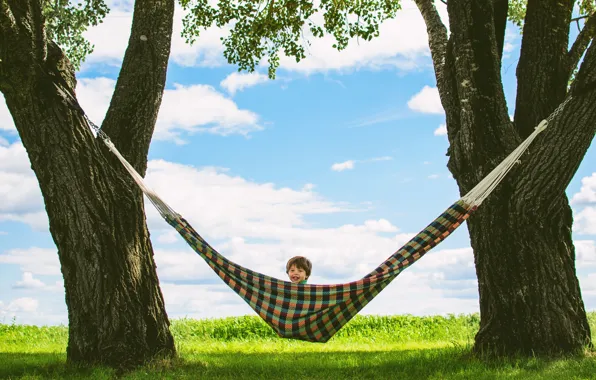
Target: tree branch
542,73
443,61
501,9
437,34
563,145
131,117
21,25
579,18
581,44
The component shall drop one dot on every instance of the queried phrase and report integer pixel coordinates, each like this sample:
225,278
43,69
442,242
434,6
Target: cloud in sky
426,101
585,221
6,122
34,260
29,282
441,131
239,81
587,192
185,109
25,304
19,189
341,166
584,202
350,164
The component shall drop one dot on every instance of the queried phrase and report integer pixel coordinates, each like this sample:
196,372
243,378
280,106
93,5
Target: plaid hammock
316,312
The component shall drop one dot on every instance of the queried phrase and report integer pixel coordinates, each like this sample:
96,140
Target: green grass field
397,347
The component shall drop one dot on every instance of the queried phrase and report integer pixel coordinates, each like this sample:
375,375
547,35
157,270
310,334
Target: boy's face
296,274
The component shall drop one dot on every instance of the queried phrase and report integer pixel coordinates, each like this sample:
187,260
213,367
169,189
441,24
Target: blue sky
341,159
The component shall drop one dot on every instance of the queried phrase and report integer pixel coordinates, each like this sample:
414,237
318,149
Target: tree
530,299
115,306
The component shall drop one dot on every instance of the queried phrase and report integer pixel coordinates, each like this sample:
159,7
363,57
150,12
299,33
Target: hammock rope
316,312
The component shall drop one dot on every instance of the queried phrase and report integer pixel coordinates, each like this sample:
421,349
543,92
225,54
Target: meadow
369,347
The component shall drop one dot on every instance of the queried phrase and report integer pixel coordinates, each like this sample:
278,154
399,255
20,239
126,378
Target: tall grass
387,347
400,328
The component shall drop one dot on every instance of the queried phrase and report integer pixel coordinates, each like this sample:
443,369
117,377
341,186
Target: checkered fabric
316,312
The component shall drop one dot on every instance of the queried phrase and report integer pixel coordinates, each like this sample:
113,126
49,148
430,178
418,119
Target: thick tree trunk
530,301
115,306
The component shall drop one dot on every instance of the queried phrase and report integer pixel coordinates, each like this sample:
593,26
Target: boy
298,269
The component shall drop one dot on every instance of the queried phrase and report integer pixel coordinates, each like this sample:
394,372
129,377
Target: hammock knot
542,126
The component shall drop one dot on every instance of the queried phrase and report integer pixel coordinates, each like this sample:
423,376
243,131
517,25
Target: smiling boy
298,269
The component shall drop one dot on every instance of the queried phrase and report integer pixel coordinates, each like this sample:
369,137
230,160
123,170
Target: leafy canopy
258,28
262,29
67,20
517,9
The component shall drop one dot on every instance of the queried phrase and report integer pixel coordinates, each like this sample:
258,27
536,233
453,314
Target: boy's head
298,269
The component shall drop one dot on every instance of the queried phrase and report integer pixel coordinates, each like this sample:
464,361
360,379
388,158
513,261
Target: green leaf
67,20
263,29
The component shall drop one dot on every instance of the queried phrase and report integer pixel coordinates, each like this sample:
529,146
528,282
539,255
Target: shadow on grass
439,363
46,366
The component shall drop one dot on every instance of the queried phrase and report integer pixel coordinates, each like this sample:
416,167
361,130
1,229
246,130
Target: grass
397,347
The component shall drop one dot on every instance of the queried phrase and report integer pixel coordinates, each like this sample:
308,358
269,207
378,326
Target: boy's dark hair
301,262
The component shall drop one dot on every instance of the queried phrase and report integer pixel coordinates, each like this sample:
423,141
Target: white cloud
40,261
511,42
587,192
184,109
94,95
230,205
19,189
441,131
25,304
3,142
588,284
168,237
585,254
38,221
29,282
426,101
341,166
448,264
14,160
350,164
381,225
109,38
239,81
200,108
433,176
584,222
185,300
181,265
508,47
6,122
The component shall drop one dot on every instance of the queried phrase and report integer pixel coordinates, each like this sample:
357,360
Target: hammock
316,312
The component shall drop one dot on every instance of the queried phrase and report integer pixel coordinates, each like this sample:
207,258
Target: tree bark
530,300
115,306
